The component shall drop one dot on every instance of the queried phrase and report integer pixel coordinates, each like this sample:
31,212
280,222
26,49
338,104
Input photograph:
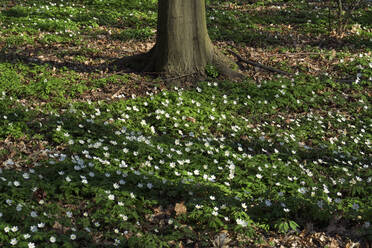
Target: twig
345,80
250,62
295,54
117,93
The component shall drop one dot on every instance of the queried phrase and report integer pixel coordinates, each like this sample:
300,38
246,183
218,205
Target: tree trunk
183,46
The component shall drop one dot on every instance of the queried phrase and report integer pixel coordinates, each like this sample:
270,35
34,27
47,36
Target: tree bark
183,46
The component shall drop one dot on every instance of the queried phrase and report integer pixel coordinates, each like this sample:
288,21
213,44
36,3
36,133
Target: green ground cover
92,157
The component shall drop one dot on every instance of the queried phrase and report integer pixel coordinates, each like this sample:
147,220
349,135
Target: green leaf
293,225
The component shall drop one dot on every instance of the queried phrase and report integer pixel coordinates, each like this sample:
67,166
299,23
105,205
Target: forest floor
92,155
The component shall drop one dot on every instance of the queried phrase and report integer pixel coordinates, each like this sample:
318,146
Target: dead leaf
39,194
221,240
334,244
193,120
180,208
57,225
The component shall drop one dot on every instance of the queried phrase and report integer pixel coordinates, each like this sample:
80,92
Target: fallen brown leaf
193,120
180,208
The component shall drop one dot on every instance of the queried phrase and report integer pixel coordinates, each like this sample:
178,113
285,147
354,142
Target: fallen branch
345,80
256,64
295,54
117,93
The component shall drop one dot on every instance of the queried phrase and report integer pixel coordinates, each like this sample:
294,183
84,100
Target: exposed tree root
136,62
250,62
149,63
224,66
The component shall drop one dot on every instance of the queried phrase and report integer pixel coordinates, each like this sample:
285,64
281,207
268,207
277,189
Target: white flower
41,225
26,236
14,228
9,162
125,218
68,179
241,222
117,242
268,203
111,197
302,190
212,198
6,229
355,206
215,213
72,236
31,245
33,214
69,214
259,176
52,239
13,241
16,183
